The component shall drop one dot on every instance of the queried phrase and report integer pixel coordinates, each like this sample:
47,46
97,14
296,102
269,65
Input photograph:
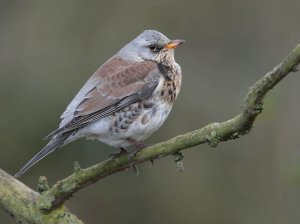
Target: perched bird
125,100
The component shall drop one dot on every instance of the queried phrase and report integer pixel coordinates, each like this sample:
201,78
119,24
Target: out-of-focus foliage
48,49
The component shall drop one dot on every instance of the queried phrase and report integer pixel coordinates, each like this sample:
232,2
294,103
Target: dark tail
54,144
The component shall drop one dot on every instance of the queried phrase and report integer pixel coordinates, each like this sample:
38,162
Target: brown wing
120,84
111,89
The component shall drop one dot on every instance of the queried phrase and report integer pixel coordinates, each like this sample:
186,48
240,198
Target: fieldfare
125,100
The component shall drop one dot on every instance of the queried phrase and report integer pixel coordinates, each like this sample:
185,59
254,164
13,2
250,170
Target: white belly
146,123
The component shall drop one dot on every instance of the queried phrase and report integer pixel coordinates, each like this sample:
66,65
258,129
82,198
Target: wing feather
113,89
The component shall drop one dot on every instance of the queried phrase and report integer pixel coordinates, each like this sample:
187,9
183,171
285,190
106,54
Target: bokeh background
48,49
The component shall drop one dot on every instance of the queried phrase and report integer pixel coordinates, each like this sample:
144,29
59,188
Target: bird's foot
138,146
122,151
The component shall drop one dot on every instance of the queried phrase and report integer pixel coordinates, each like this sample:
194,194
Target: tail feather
54,144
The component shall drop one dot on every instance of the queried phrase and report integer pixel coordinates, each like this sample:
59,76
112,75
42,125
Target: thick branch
20,201
211,134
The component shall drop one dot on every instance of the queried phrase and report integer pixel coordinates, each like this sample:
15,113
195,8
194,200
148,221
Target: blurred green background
48,49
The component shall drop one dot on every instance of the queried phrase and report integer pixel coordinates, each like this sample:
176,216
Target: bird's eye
152,47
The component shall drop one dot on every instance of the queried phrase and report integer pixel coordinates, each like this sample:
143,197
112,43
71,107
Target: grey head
150,45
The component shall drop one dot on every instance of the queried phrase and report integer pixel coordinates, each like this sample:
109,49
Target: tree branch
20,202
31,207
211,134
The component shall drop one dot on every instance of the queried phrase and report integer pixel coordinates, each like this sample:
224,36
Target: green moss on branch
20,202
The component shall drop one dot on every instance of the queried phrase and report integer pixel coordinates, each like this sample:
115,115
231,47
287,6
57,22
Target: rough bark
20,202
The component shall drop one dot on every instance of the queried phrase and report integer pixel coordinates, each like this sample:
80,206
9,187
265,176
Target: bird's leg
139,145
122,151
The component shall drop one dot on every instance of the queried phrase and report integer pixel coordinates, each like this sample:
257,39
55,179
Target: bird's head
152,45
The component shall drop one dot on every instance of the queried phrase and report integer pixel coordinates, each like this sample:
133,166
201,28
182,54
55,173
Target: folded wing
114,86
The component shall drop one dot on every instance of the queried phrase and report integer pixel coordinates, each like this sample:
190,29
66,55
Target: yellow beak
174,43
